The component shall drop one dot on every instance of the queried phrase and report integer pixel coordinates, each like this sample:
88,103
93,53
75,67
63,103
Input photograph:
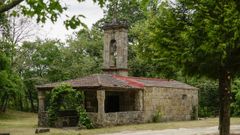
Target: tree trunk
31,101
224,95
3,101
5,105
20,98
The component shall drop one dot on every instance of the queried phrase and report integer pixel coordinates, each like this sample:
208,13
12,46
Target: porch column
41,108
41,101
139,101
101,106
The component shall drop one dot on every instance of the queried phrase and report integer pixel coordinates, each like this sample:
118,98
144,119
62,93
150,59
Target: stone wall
121,118
42,119
173,104
121,37
117,118
93,116
121,59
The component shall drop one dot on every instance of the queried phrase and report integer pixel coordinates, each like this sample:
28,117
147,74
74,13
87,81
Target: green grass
20,123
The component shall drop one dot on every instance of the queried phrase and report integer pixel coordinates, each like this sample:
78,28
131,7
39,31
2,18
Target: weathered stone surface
42,119
121,118
173,104
118,59
93,116
139,101
101,103
42,115
42,130
41,98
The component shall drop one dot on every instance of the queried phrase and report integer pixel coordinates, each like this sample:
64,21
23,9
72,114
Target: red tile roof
116,81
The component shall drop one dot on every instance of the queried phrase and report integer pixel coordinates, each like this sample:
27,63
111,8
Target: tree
83,55
43,10
33,62
202,38
11,87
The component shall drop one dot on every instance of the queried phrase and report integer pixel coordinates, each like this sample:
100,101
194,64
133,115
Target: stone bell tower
115,53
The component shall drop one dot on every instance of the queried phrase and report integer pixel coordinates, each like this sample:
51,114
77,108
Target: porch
104,107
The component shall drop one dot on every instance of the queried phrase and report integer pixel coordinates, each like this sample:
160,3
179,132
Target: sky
90,10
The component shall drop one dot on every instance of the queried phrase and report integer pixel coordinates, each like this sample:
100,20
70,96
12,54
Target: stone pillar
101,106
41,101
41,109
139,101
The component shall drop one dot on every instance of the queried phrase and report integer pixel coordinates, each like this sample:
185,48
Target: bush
204,112
83,118
65,98
235,106
157,116
208,97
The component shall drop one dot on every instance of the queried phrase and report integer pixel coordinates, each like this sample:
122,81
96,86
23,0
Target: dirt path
235,129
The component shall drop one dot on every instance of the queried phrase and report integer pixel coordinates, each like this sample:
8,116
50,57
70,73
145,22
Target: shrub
157,116
65,98
204,112
83,118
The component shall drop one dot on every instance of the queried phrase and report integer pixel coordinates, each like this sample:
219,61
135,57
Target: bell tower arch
115,53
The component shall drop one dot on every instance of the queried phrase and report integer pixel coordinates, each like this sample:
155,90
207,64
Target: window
113,53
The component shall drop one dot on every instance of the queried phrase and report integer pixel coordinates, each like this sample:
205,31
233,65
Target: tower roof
115,24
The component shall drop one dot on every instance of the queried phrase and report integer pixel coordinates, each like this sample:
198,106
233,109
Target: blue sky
90,10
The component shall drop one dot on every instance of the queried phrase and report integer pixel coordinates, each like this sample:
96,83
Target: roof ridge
148,78
129,80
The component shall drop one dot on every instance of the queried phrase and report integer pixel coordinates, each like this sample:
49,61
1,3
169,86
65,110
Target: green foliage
11,86
31,92
179,37
235,106
74,22
204,112
198,37
85,49
208,97
129,11
58,102
66,98
54,61
44,10
40,62
157,116
83,118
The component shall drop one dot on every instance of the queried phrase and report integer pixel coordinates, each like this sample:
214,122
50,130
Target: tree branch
8,6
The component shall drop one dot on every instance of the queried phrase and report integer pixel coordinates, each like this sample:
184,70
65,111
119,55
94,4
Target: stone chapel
114,98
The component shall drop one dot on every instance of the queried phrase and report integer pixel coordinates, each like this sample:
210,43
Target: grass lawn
20,123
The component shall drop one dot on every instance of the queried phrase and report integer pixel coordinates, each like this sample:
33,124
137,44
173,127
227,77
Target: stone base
42,119
121,118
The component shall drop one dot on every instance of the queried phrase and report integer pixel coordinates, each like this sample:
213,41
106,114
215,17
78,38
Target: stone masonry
119,34
173,104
